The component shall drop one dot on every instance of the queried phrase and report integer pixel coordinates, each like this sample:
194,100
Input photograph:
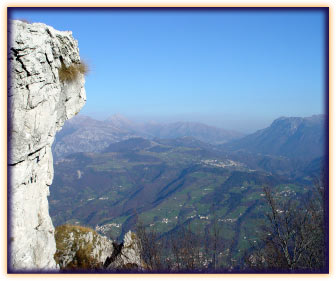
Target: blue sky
237,69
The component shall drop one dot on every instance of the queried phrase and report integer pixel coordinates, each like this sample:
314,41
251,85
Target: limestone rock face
39,103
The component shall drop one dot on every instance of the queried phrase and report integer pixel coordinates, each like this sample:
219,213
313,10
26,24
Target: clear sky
237,69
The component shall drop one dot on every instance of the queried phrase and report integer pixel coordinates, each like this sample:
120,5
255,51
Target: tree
293,237
150,249
186,251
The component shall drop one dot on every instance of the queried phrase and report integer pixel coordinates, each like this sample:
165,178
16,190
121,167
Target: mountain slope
293,137
84,134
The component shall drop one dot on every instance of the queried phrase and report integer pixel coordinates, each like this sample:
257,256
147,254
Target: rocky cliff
38,104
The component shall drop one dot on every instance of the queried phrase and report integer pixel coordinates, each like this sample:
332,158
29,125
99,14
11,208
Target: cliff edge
39,101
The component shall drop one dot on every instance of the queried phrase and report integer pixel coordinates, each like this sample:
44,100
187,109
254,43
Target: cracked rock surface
38,105
129,257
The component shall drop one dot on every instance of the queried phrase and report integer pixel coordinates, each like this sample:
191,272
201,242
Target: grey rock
39,104
130,257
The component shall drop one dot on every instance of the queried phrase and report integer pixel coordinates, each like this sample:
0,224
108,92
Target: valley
170,183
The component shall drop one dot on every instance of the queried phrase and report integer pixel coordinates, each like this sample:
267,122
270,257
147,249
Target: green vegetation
289,238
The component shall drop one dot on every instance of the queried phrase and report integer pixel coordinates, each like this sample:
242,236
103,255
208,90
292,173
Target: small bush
71,73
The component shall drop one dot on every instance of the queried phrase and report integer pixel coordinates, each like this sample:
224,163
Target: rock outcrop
38,104
83,249
128,257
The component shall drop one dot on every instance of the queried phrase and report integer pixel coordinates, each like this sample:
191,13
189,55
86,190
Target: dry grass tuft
71,73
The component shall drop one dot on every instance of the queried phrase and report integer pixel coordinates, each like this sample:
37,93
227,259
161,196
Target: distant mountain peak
117,118
121,122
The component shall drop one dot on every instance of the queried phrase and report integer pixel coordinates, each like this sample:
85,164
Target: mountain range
299,138
84,134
